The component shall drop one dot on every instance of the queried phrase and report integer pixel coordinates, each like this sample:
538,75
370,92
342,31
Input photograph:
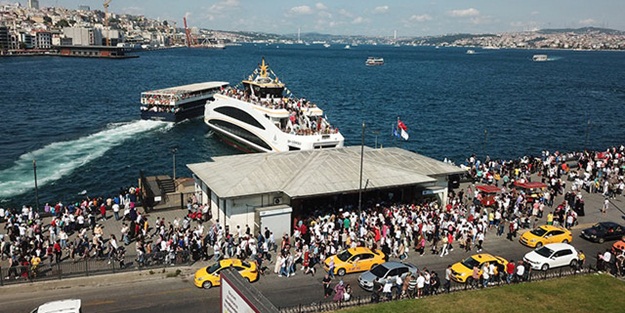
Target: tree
47,20
62,23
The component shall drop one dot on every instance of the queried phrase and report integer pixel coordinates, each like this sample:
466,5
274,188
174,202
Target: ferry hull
265,136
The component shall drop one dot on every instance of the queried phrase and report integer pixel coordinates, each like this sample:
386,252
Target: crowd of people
299,122
397,229
425,227
75,233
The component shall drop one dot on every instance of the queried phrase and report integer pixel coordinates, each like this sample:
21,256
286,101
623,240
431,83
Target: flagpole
362,156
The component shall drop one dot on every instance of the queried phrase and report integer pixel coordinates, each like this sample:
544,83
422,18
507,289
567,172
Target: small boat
176,104
539,58
347,47
263,116
470,51
372,61
326,45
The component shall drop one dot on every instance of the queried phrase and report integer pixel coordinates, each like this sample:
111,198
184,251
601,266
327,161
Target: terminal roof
318,172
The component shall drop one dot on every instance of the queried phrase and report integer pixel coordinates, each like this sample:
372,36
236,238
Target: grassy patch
584,293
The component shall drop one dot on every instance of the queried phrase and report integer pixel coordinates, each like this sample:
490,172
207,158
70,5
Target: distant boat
327,45
347,47
372,61
470,51
396,45
539,58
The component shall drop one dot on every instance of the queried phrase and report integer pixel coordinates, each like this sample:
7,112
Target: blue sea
79,118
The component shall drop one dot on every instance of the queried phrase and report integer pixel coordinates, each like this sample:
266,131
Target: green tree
62,23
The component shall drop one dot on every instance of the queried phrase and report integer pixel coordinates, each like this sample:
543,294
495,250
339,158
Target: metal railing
455,287
90,267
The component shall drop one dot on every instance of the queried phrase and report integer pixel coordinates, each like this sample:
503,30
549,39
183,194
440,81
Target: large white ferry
178,103
264,117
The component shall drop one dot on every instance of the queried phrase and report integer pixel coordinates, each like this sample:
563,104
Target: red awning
531,185
488,188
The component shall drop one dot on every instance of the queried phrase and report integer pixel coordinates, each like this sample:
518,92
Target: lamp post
376,133
485,140
173,152
362,156
36,188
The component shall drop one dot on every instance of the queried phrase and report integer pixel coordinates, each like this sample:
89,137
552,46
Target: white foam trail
59,159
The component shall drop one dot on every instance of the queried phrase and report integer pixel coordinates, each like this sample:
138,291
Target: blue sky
373,18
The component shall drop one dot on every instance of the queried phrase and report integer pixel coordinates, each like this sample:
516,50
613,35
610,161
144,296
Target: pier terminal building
275,189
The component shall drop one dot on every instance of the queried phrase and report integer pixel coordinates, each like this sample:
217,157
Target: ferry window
239,115
240,132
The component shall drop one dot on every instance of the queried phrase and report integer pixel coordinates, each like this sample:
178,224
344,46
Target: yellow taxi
208,277
462,271
545,234
354,260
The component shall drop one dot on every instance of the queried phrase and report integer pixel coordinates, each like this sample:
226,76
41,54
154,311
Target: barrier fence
68,268
455,287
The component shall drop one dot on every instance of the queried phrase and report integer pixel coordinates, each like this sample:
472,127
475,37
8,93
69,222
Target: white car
552,255
61,306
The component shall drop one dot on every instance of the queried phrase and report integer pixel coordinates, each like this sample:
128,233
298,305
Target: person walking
327,289
447,284
444,248
339,291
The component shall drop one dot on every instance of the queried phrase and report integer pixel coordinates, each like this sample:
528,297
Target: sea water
79,118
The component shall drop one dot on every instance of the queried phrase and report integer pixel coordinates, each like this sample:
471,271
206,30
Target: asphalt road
145,292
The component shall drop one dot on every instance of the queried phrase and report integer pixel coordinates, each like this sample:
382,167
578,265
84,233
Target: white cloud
381,9
358,20
588,22
225,5
464,13
321,6
420,18
535,13
218,9
324,14
133,10
301,10
478,20
345,13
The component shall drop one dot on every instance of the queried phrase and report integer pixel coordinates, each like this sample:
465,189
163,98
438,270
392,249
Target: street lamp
376,133
173,152
362,156
36,188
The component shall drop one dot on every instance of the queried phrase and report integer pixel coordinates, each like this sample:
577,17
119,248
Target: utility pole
36,188
362,156
173,152
376,133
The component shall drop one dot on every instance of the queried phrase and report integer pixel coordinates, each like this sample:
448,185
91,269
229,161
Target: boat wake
59,159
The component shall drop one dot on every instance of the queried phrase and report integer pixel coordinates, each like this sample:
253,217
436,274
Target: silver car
384,271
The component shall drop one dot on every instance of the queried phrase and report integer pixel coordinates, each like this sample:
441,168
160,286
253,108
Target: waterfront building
83,36
43,39
275,188
5,39
33,4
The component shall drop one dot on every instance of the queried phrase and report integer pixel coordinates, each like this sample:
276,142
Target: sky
372,18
